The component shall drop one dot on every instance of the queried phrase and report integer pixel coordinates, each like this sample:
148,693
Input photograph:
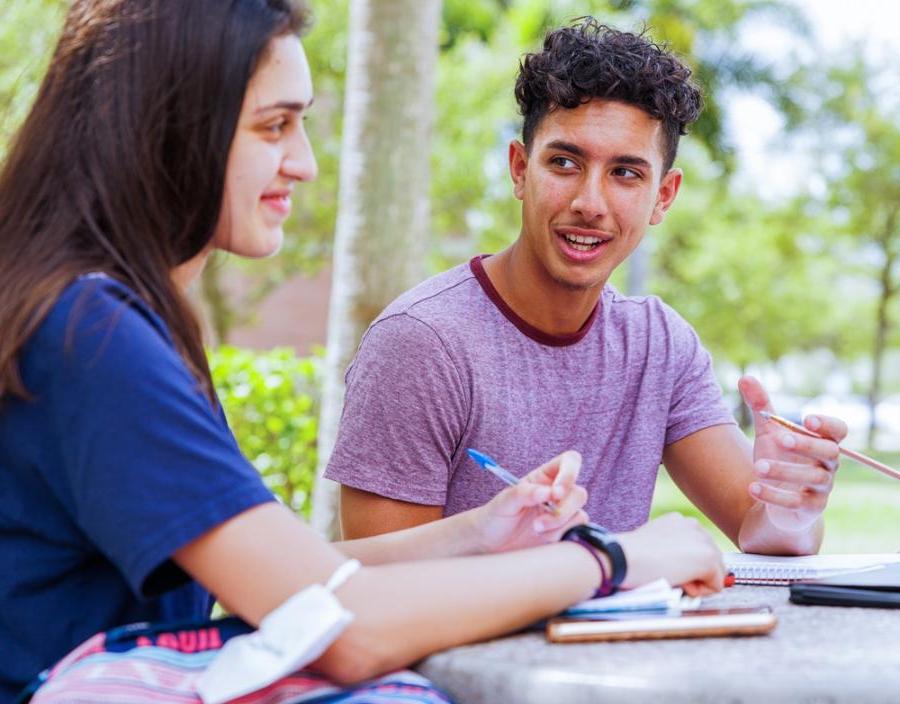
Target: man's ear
665,196
518,164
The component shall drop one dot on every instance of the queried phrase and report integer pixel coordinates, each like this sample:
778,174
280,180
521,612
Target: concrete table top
815,655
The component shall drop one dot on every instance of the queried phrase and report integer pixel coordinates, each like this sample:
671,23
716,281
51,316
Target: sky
836,23
755,126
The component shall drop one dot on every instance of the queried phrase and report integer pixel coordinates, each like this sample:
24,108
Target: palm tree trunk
383,207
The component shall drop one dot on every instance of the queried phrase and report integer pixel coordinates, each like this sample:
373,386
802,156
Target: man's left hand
794,472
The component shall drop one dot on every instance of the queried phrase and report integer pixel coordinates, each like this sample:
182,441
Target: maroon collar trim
526,328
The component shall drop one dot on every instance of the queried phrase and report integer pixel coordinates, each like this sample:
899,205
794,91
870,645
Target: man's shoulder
97,328
649,308
657,327
439,299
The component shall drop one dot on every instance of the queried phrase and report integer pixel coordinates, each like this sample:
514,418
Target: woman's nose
300,162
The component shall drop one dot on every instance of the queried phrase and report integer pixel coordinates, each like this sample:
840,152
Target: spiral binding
775,575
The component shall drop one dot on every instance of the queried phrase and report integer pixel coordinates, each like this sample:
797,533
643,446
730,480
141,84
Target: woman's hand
516,517
676,548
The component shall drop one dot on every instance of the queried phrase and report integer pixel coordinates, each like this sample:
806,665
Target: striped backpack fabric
144,663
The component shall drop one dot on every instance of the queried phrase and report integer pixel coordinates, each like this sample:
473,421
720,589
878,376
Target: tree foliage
853,106
751,277
28,31
271,400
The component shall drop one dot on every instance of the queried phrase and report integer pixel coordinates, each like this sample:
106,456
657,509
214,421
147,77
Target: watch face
598,531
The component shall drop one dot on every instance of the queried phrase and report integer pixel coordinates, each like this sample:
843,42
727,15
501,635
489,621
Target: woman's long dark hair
120,165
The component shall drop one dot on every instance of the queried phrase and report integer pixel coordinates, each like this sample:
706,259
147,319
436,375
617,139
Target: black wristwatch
598,538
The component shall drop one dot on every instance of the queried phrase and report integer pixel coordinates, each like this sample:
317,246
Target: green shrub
271,400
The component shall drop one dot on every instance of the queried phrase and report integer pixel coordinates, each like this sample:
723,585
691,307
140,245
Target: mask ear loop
344,572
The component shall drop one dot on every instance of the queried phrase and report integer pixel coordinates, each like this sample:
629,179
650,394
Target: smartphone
695,623
835,595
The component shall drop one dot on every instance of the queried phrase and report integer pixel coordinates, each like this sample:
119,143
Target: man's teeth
581,242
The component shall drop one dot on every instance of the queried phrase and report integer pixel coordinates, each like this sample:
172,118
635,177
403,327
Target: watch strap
605,587
598,538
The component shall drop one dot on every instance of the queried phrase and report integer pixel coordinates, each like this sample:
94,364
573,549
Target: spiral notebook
780,571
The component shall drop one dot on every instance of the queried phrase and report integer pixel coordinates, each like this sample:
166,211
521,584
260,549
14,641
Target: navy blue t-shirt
117,462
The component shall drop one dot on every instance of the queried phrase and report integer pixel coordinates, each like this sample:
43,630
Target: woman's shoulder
96,325
94,295
96,308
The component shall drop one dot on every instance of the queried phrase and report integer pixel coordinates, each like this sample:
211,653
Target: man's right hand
677,548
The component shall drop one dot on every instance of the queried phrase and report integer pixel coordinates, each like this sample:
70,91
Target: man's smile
579,241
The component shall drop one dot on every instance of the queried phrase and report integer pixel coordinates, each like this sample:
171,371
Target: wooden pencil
852,454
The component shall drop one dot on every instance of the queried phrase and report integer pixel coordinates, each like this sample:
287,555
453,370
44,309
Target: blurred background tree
855,103
383,202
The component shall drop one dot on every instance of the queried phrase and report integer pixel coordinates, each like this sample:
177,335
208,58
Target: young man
529,352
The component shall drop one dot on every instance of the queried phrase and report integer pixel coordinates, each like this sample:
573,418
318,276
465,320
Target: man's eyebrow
295,106
627,159
566,147
630,160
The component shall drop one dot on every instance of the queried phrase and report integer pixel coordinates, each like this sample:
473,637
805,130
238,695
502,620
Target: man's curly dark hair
591,60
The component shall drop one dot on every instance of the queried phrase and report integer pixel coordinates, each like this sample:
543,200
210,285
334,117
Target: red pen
729,579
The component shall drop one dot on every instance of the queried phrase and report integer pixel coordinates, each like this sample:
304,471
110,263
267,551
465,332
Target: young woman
163,130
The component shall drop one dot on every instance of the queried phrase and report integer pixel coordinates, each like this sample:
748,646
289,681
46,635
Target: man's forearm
759,534
449,537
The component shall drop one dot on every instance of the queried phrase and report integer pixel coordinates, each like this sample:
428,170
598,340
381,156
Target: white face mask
289,638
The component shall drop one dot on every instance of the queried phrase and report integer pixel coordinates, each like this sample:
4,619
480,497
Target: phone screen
671,613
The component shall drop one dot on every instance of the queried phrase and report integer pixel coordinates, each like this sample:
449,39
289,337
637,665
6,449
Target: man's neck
534,296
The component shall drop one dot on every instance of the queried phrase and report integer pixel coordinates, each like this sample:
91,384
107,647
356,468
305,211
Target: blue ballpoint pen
487,462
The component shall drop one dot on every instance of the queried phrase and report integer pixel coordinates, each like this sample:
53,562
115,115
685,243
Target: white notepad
772,570
658,595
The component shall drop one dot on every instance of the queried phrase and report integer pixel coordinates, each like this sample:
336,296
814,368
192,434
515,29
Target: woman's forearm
406,611
402,611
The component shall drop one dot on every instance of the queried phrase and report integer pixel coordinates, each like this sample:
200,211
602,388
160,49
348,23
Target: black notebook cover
877,588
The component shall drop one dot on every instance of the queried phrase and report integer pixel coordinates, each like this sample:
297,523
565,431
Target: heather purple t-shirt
448,366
